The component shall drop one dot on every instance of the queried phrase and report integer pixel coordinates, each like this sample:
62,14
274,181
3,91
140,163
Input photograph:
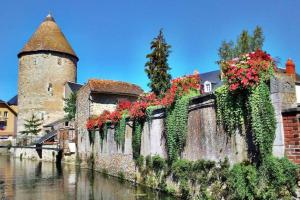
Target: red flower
123,105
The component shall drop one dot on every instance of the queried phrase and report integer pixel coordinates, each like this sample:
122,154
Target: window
5,114
207,86
59,61
34,61
42,115
50,89
3,125
66,123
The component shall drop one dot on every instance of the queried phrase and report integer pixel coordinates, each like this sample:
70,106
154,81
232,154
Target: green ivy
136,137
231,109
103,133
119,135
263,122
176,126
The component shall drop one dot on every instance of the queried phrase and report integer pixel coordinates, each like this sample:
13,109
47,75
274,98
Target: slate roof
48,37
213,76
13,101
114,87
74,86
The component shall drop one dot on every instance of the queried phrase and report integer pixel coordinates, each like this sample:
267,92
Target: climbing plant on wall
175,100
244,100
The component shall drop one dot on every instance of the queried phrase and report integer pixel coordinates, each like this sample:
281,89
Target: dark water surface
35,180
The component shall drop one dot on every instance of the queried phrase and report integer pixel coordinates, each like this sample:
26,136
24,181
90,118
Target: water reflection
42,180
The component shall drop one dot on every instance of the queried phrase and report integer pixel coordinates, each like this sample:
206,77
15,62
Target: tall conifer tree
157,67
257,39
243,43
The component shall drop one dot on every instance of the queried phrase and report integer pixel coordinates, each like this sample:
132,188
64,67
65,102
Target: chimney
290,68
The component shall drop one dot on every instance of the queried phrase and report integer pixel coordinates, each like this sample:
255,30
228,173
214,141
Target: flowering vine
137,111
248,70
244,103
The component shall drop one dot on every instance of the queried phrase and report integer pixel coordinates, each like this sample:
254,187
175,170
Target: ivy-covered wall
204,141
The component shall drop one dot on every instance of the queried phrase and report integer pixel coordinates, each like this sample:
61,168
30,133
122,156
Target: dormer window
207,86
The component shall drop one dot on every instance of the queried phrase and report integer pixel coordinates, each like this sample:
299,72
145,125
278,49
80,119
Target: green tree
157,66
70,107
32,126
226,51
257,39
243,43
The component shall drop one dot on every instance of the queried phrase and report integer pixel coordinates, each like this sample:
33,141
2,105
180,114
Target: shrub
158,163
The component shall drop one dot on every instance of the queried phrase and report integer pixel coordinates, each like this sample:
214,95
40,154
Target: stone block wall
291,123
31,153
204,141
283,96
42,77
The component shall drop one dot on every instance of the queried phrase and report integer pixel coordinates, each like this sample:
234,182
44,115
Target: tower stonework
46,63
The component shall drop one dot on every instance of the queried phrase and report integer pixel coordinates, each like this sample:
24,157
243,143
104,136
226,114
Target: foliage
70,106
257,39
158,163
139,161
245,44
263,122
121,176
157,67
231,110
274,179
120,132
149,163
248,70
136,138
244,100
176,125
103,133
32,126
176,100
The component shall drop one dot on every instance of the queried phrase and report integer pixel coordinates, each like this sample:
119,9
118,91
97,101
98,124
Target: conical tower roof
48,37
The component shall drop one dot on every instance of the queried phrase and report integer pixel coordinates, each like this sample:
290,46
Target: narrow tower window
59,61
50,89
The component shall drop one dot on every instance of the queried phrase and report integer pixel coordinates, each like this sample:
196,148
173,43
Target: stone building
46,63
99,95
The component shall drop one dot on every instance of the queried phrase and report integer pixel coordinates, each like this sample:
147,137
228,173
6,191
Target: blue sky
112,37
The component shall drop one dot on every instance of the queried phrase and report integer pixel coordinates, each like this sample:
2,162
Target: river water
26,179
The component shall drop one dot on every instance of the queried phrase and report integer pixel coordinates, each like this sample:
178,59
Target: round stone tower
46,63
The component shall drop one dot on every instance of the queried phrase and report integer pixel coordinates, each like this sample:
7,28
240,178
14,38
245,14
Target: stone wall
101,102
204,141
283,96
41,85
291,123
31,153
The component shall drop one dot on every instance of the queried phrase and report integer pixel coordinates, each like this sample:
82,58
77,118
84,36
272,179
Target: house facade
8,119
